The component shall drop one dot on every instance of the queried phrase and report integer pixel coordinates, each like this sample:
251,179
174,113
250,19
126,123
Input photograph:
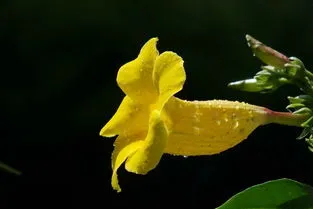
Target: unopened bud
266,54
249,85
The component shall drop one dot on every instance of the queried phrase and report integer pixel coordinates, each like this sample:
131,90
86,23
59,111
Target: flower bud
266,54
249,85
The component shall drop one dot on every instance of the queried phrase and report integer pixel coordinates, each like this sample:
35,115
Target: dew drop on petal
236,124
226,119
196,130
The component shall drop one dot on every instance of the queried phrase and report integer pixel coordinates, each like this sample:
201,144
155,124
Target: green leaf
280,194
304,132
310,142
295,106
303,99
308,122
303,110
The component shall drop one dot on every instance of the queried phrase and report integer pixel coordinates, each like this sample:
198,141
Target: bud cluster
278,71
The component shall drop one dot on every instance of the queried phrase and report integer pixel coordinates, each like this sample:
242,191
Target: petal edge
129,116
168,76
122,150
135,77
150,154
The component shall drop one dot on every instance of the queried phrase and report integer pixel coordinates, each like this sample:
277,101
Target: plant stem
286,118
9,169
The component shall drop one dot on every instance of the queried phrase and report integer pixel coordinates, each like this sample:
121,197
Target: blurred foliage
280,194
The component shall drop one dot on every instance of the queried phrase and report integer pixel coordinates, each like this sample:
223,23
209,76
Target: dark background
58,67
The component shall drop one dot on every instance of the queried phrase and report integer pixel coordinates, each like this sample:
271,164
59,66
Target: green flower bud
249,85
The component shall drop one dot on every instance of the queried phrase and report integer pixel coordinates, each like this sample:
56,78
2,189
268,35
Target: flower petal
124,147
168,76
149,154
210,127
135,77
130,117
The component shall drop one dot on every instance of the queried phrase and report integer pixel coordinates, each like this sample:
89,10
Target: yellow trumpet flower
150,121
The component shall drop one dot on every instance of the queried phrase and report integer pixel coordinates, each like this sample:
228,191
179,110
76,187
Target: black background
58,67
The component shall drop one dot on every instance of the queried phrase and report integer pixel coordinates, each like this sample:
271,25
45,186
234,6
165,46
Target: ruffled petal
135,77
210,127
149,154
129,117
168,76
123,148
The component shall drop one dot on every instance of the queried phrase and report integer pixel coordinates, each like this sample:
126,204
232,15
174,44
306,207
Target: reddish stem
286,118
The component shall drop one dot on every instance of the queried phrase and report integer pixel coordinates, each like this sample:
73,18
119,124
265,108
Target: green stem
304,86
286,118
9,169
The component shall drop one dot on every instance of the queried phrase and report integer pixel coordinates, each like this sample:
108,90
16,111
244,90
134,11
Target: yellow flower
150,121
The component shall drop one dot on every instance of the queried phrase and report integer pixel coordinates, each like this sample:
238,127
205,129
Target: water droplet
195,118
185,156
198,113
236,124
196,130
